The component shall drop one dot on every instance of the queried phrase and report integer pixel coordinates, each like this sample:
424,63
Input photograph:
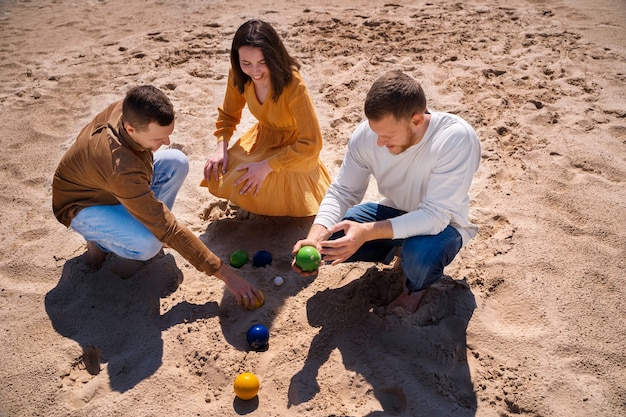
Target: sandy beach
530,318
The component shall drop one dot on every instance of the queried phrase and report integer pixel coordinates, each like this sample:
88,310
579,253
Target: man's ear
417,119
129,128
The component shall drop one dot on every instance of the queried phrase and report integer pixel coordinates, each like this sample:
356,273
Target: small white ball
278,281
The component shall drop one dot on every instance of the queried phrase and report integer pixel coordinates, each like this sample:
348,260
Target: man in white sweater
423,163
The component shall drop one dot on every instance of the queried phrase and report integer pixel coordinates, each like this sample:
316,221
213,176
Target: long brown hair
260,34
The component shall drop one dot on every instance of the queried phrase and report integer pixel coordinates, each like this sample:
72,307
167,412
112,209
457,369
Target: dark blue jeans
423,257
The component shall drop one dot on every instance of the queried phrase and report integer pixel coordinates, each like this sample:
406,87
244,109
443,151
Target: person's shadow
398,354
118,321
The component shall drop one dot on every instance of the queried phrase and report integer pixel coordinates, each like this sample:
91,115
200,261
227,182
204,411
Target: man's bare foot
94,256
409,302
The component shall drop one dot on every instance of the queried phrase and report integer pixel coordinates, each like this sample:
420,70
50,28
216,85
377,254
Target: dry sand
529,320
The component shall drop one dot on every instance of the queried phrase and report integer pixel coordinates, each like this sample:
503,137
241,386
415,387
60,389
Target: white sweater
430,180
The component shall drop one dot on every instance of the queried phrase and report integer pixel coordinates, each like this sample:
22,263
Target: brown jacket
105,166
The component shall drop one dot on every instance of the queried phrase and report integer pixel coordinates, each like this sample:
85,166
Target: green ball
308,258
239,258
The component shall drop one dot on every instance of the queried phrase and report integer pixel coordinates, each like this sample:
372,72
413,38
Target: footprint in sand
495,235
85,381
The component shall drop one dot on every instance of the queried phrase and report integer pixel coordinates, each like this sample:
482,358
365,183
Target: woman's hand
219,156
253,179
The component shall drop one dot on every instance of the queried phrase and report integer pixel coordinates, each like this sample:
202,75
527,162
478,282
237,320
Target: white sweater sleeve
348,189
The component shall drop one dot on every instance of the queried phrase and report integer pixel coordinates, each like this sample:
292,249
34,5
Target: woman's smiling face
253,64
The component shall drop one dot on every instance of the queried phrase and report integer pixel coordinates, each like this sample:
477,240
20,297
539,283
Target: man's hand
338,250
253,178
316,235
356,234
294,251
244,292
219,156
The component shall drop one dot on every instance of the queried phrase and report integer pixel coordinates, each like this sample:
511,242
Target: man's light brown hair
395,93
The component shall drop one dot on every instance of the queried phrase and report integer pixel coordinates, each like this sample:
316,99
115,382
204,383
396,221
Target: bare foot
94,256
409,302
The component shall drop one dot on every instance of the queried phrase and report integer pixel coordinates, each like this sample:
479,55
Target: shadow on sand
120,318
425,349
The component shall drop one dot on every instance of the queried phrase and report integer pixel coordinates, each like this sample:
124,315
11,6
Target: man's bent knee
147,249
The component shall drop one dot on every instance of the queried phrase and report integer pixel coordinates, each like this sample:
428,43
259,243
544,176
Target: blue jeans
115,230
423,257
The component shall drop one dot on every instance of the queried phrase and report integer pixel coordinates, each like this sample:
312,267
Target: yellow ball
256,303
246,386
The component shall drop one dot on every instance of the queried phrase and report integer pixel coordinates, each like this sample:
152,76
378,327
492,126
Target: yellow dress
288,136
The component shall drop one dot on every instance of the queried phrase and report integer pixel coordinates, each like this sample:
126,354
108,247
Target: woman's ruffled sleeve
229,113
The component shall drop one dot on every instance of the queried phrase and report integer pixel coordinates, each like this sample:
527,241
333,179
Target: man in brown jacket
117,191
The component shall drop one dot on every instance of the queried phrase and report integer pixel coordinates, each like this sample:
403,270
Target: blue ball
261,258
258,336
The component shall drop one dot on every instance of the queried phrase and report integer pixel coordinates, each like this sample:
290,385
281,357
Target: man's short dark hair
394,93
145,104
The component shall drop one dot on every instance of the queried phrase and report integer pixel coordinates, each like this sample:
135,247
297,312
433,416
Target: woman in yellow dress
274,169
